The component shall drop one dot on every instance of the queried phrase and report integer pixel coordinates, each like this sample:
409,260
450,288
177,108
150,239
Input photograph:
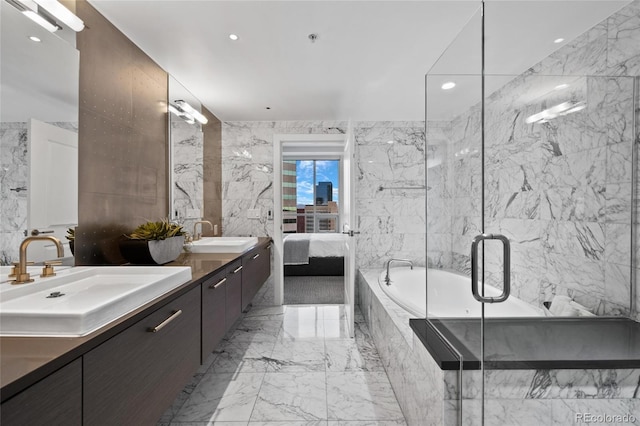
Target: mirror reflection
38,135
186,156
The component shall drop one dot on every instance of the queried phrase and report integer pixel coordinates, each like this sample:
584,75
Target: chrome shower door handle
506,250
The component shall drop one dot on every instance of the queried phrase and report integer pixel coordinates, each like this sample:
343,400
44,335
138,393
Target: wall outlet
253,213
270,215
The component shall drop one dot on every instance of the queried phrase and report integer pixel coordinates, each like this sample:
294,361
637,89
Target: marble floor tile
243,357
209,424
334,312
336,329
361,396
297,355
221,397
338,312
301,423
255,330
304,313
291,396
351,355
296,328
270,313
368,423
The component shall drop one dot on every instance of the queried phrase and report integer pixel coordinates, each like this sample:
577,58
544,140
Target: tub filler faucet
387,278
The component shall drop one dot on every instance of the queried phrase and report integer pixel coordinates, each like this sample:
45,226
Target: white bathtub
449,295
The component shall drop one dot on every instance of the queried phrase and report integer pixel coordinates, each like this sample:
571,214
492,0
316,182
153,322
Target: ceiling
368,62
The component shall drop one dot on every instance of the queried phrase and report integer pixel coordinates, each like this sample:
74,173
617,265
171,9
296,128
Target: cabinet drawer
234,293
257,268
132,378
213,312
55,400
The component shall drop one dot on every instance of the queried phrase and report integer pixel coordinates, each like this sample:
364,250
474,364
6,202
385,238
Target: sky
326,171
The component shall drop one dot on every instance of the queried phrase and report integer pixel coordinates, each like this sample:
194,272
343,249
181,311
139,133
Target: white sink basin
223,244
89,298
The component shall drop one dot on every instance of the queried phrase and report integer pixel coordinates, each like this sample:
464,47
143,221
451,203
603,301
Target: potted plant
153,243
71,236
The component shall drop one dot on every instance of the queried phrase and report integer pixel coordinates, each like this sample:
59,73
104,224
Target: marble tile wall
392,222
188,194
14,175
14,178
430,396
562,190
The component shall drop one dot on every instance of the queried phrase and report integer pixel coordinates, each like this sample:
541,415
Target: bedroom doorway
309,214
313,258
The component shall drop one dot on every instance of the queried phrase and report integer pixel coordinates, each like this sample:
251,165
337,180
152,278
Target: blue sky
326,171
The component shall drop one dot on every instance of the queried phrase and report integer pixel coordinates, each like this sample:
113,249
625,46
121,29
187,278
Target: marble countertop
25,360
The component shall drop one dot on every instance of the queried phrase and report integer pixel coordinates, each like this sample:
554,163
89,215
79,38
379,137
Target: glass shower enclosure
532,133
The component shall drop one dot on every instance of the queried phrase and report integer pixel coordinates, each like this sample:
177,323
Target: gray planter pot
155,252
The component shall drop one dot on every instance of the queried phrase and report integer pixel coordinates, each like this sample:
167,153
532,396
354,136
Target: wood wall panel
212,170
123,133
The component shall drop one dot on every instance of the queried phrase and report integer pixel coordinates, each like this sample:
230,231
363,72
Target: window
310,196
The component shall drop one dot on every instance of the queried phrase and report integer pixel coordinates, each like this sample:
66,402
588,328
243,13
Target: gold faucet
196,237
22,276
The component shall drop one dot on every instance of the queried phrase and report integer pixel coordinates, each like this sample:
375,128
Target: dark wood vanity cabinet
234,293
221,305
214,301
133,377
54,400
256,270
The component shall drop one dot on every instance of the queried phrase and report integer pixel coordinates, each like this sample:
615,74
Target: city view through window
310,196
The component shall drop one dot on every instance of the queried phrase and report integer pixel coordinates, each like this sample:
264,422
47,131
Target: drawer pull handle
256,256
238,269
218,284
160,326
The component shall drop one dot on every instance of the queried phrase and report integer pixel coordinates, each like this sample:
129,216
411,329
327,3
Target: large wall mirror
38,135
186,197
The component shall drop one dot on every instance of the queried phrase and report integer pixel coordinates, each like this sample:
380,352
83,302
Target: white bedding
321,245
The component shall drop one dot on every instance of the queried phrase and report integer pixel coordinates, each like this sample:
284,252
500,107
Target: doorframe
278,141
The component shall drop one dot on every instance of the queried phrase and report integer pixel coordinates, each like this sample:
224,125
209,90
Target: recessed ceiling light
233,37
558,40
561,86
34,38
448,85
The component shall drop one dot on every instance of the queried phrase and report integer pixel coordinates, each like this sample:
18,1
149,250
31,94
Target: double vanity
115,345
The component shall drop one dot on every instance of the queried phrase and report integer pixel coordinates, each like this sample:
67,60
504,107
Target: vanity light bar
30,9
40,20
58,11
182,114
184,105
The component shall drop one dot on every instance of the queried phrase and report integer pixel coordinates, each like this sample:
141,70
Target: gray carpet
313,290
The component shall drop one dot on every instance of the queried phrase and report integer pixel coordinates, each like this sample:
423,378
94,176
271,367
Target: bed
314,254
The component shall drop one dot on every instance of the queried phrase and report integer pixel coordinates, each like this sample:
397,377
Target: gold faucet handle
14,270
48,270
